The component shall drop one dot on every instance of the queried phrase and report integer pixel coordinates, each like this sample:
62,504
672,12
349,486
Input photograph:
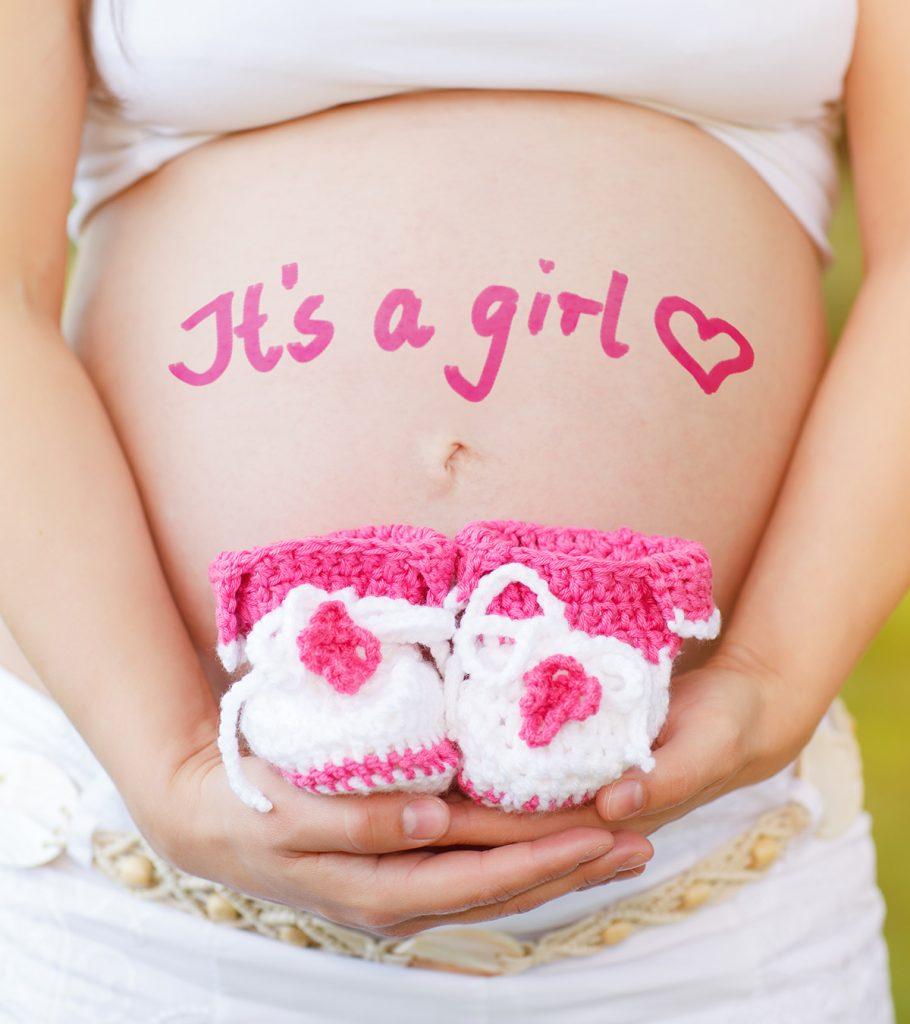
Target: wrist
790,646
154,786
785,711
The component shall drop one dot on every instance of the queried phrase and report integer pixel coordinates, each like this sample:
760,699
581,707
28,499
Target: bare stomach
444,195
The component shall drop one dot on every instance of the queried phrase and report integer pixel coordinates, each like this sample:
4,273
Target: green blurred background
878,693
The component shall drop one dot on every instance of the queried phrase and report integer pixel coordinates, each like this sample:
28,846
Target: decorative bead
695,896
136,871
292,934
617,931
219,908
765,850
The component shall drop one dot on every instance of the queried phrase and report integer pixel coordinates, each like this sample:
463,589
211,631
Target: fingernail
634,873
624,799
598,851
425,819
637,860
609,869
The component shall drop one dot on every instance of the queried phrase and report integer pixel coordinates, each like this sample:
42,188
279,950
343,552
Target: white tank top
763,76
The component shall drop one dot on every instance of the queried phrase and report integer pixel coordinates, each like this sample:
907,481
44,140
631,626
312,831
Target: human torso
445,195
446,192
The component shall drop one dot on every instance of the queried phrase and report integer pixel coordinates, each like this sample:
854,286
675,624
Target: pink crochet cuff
413,563
648,591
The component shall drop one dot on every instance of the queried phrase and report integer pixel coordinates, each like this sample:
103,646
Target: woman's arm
83,593
835,558
80,584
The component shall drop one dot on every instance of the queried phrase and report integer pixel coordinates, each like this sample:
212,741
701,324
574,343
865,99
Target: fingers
471,824
627,859
380,892
380,823
387,822
457,880
383,823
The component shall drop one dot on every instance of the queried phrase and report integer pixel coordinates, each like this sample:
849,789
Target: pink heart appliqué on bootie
336,648
558,690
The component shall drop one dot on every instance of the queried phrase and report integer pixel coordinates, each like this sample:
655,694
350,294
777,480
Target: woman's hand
732,722
369,862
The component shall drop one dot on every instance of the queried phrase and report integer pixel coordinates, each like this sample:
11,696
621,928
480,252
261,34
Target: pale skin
829,568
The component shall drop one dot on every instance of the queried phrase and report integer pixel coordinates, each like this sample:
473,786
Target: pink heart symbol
546,265
557,690
336,648
708,328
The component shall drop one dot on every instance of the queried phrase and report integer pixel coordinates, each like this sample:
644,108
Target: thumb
356,823
692,762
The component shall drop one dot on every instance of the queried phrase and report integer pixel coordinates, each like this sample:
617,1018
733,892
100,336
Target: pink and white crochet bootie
341,696
559,677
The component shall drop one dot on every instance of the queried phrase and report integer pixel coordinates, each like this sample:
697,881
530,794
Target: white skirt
803,944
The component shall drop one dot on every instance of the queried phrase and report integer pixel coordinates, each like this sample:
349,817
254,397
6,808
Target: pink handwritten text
399,321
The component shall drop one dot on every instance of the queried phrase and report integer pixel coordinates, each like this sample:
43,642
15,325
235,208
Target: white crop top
763,76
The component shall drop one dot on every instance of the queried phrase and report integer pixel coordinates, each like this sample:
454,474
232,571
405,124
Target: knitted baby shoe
341,696
559,677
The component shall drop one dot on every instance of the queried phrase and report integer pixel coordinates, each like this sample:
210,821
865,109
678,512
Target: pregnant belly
253,411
